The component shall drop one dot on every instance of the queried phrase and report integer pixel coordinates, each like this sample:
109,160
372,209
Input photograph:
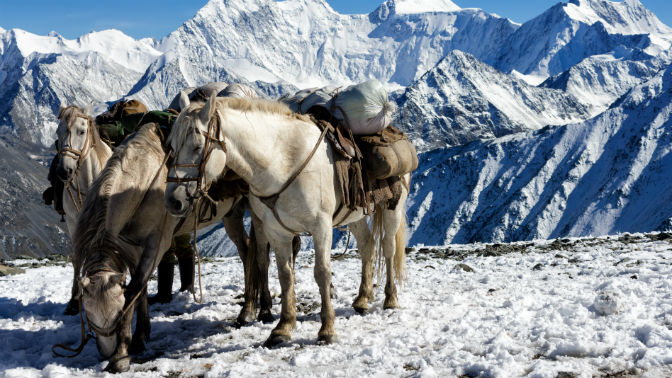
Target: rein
211,136
80,155
270,201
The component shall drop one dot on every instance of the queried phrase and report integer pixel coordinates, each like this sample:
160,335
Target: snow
112,44
423,6
533,309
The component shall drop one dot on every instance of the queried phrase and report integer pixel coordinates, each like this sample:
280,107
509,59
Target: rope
85,339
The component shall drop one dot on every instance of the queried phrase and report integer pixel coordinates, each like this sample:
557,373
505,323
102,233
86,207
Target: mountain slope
606,175
306,43
567,33
38,74
462,99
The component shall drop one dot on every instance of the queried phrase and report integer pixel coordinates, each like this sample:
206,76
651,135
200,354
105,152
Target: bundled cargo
363,108
238,91
388,153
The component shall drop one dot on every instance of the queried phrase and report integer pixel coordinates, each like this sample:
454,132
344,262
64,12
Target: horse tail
378,230
400,251
399,258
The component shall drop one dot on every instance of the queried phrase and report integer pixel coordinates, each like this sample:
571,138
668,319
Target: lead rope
85,338
197,257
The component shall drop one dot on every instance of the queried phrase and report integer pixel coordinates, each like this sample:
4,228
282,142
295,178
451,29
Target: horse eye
80,132
197,148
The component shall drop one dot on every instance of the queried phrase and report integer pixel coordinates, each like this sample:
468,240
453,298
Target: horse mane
93,245
242,104
69,113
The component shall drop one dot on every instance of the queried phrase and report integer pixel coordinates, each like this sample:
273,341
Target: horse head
199,154
75,139
103,301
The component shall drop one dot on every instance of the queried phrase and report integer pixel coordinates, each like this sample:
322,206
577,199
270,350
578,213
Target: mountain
458,75
28,227
463,99
306,43
602,79
38,74
567,33
606,175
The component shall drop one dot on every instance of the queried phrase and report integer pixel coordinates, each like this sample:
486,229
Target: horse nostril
70,171
177,205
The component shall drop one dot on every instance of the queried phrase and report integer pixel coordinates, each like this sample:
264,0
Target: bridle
79,155
211,137
89,144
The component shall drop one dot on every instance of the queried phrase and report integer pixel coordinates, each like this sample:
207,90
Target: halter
80,155
211,136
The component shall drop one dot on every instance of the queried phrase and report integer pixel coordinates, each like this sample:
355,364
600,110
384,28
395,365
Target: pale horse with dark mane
267,145
82,156
124,226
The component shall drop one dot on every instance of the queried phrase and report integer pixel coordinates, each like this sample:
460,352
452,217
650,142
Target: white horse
82,156
270,148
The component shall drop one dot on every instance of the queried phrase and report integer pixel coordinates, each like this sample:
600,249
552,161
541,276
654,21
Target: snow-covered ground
565,308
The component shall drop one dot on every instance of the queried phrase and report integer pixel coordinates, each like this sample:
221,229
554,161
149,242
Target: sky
157,18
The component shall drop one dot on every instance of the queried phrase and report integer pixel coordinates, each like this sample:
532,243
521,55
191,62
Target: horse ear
184,100
209,109
84,282
117,279
89,109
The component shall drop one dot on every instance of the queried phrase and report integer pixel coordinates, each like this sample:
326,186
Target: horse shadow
29,345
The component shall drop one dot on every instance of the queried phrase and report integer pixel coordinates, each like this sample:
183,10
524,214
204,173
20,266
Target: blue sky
156,18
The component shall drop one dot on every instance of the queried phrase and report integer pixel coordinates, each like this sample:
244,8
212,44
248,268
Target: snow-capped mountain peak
626,17
111,44
422,6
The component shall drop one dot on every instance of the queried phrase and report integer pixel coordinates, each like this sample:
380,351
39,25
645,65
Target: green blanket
116,132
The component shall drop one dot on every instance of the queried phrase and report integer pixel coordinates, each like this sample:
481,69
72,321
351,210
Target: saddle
358,186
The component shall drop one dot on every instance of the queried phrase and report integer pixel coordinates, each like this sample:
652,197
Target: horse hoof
275,340
72,308
326,339
189,288
120,365
390,305
244,318
137,346
361,310
266,316
163,299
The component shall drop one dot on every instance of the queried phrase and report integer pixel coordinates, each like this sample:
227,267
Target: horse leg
394,250
365,245
142,325
165,272
322,272
72,308
185,262
283,255
120,362
235,229
259,250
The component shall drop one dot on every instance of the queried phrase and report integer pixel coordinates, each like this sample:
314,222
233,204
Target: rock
10,270
607,303
463,267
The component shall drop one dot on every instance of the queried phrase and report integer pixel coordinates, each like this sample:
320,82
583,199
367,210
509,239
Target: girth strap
270,201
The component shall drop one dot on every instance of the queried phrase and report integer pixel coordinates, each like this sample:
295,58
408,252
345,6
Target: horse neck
93,164
265,149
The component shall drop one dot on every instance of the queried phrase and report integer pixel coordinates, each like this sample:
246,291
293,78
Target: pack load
238,91
362,108
201,93
388,153
125,117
